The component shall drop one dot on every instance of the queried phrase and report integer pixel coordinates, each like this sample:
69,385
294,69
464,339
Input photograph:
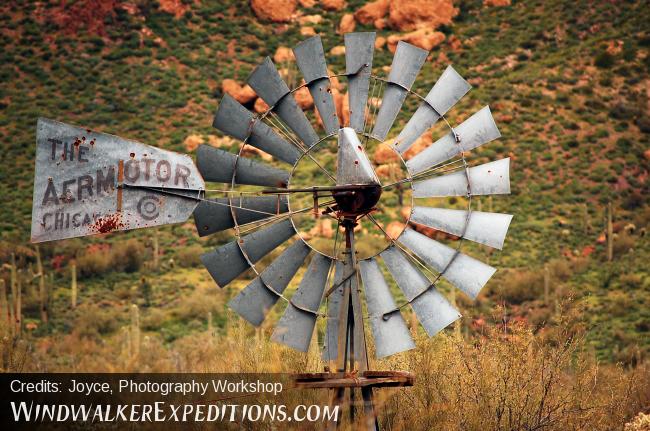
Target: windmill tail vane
89,183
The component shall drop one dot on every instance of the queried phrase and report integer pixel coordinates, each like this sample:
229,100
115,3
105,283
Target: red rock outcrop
423,38
332,4
372,11
491,3
274,10
347,23
242,94
409,15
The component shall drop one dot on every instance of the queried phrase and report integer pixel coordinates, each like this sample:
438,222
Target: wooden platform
361,379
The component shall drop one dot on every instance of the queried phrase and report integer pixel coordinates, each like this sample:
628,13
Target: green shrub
190,257
604,60
94,264
128,257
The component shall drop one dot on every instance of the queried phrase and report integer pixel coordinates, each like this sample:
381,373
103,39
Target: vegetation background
561,335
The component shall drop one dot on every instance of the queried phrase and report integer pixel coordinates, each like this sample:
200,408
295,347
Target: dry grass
505,380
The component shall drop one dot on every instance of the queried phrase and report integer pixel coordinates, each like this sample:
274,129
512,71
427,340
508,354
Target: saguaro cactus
42,286
73,284
547,283
610,233
135,331
156,249
4,305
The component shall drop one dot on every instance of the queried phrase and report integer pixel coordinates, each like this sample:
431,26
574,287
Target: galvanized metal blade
477,130
431,308
268,84
353,166
227,262
311,61
482,227
216,215
255,301
89,183
296,327
330,350
406,64
464,272
236,121
448,90
359,49
218,165
488,179
390,333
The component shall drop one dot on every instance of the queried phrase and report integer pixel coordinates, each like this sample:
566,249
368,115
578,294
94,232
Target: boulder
303,98
283,54
260,106
274,10
423,38
390,172
173,7
310,19
242,94
409,15
347,23
394,229
338,50
192,142
333,4
250,151
385,154
420,144
492,3
307,31
372,11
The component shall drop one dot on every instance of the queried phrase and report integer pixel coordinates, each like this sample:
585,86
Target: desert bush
94,264
129,256
190,257
623,243
604,60
92,322
513,382
521,285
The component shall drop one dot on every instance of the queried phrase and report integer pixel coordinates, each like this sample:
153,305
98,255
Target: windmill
90,183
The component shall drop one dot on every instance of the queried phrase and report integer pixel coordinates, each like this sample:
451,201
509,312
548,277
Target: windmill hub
357,200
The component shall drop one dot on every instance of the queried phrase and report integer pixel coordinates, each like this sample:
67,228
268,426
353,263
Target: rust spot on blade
108,223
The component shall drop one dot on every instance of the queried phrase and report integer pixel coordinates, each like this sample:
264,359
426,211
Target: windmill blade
236,121
466,273
482,227
353,166
268,84
227,262
296,327
212,216
255,301
491,178
477,130
406,64
218,166
89,183
359,49
431,308
446,92
311,61
334,300
391,334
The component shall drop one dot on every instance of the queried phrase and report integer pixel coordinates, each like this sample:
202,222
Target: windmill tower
90,183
